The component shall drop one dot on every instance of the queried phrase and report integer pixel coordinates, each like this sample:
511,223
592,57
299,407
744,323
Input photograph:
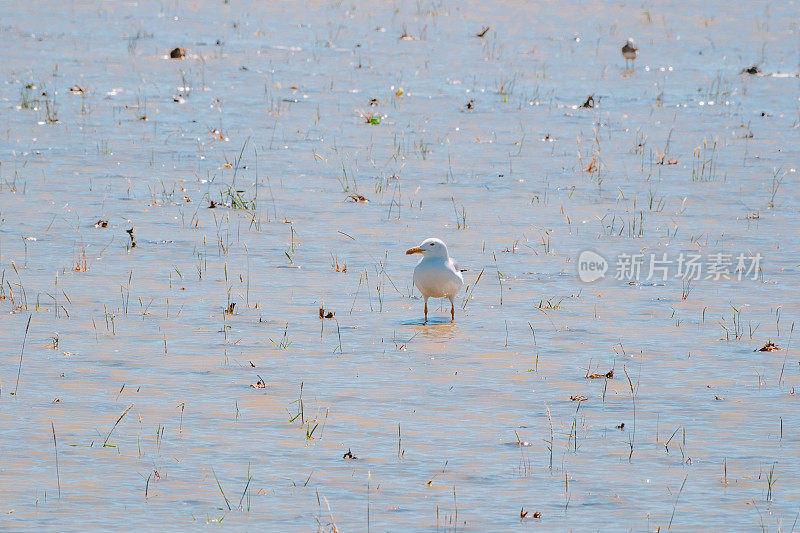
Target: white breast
437,278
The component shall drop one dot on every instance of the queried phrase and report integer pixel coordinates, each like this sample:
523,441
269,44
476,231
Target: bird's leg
452,311
426,312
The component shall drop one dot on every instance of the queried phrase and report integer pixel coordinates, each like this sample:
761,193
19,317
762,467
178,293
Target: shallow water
435,414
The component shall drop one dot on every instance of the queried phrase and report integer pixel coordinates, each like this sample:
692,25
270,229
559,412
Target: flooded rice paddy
170,230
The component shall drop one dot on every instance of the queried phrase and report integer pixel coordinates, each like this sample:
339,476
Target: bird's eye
432,244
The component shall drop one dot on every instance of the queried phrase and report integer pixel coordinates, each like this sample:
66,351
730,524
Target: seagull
629,50
436,275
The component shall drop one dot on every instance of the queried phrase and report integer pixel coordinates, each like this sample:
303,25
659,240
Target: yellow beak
414,251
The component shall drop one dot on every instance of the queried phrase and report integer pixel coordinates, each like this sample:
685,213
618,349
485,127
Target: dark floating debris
523,514
229,309
769,347
580,398
358,198
349,455
373,102
589,103
212,204
77,89
607,375
752,69
621,426
177,53
483,32
101,223
324,314
259,384
133,239
470,105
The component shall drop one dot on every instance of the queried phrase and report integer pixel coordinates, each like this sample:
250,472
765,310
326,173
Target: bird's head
631,43
430,248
